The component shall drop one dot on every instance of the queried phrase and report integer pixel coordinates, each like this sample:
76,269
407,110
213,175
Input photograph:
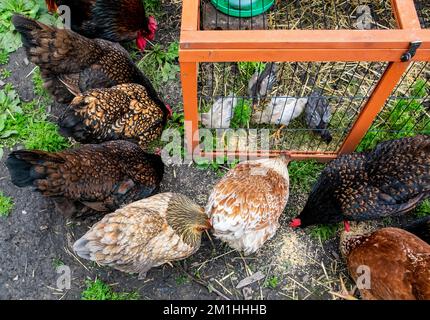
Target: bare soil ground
33,239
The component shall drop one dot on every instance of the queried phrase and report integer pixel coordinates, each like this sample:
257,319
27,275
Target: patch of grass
160,64
181,280
6,205
39,89
423,209
247,69
153,7
324,232
4,57
27,123
57,262
272,282
98,290
303,174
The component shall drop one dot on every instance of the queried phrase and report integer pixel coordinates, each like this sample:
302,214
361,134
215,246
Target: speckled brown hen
388,181
121,112
71,64
145,234
396,263
246,204
89,178
113,20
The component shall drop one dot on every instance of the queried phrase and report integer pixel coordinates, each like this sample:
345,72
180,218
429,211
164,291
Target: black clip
412,51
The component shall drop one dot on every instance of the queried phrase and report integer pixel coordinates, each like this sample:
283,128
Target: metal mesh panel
306,14
423,9
407,111
282,105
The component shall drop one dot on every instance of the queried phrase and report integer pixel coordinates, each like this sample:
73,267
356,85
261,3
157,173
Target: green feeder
243,8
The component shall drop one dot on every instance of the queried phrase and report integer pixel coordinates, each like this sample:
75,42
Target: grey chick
318,115
220,114
262,83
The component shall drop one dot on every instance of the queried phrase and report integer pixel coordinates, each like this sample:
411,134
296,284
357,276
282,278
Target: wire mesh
423,9
294,103
406,112
305,14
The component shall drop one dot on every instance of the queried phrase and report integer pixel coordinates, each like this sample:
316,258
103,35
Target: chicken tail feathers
326,136
27,166
420,228
72,125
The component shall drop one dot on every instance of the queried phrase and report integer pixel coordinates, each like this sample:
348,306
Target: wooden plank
406,14
304,39
190,15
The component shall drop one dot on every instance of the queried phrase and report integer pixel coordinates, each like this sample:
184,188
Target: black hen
318,115
389,181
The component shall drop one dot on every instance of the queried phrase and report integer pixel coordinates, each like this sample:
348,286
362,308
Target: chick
281,110
318,115
220,114
245,206
145,234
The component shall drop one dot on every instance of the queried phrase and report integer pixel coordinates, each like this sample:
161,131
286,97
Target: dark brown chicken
98,177
388,264
121,112
113,20
72,64
420,228
388,181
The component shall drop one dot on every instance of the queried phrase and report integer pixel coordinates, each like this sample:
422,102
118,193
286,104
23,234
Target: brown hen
121,112
113,20
145,234
388,264
246,204
97,177
71,64
388,181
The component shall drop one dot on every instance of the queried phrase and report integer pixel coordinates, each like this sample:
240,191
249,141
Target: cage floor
423,9
307,14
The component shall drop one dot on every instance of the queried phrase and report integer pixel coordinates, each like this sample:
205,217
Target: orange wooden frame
300,45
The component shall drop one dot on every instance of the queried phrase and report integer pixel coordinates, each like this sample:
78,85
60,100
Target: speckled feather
72,64
101,177
246,204
140,236
388,181
121,112
399,264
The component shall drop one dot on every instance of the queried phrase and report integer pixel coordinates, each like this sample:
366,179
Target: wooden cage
395,55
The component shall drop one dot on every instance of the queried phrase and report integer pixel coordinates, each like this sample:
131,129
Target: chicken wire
406,112
306,14
423,10
224,93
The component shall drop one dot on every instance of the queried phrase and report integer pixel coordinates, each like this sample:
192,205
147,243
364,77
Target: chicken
72,64
113,20
145,234
388,264
261,83
318,115
280,111
220,114
245,206
420,228
124,112
388,181
90,178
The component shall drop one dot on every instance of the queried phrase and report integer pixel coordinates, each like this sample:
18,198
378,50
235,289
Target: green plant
247,69
6,205
10,40
241,114
39,89
27,123
272,282
4,57
4,73
98,290
303,174
57,262
161,65
153,7
400,118
182,279
423,209
324,232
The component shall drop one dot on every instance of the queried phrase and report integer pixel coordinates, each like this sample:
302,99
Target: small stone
2,83
43,228
16,278
26,62
24,212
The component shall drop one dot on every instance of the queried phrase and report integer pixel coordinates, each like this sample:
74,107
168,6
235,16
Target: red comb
347,226
296,223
